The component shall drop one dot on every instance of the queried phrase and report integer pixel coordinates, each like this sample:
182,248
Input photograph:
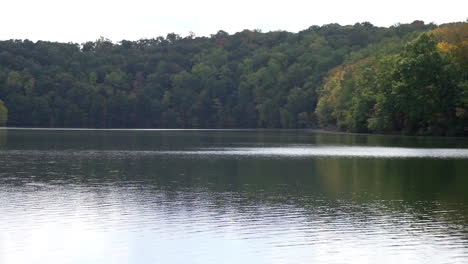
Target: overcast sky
84,20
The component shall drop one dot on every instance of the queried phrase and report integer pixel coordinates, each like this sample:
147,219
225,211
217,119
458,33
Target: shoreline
311,130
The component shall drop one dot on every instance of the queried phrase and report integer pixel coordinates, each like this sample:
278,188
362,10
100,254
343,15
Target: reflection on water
248,196
129,224
3,134
314,151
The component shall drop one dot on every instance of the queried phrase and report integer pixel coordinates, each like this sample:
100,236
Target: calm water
126,196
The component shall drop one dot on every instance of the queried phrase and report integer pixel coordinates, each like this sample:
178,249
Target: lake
231,196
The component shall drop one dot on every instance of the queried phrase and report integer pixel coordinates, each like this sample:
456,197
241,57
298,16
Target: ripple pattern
59,223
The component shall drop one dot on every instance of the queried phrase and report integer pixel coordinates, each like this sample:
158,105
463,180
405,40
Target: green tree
424,87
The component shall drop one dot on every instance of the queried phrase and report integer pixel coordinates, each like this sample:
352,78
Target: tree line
409,78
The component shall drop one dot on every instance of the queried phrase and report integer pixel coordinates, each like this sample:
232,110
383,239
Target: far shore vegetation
406,79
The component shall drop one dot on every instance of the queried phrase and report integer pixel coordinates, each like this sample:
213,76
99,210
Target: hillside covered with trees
409,78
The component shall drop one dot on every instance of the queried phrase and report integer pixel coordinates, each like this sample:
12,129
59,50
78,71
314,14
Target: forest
405,79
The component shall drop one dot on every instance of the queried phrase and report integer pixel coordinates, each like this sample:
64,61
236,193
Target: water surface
252,196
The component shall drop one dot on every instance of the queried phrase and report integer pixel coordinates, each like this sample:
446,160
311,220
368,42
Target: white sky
85,20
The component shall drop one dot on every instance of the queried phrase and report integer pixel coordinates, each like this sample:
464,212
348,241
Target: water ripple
325,230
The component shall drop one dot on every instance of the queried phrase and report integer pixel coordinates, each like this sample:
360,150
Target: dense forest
408,78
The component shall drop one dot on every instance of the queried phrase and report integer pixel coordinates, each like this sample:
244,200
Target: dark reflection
3,135
177,139
274,209
366,178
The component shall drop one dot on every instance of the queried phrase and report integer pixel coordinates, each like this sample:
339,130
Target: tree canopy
356,78
421,90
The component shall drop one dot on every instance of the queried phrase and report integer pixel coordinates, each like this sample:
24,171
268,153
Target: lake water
226,196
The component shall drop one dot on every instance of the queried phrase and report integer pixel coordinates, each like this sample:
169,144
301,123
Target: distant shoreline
311,130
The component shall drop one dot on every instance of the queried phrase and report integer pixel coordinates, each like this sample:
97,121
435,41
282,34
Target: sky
87,20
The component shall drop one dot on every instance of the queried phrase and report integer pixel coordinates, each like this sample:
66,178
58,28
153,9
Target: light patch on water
290,151
331,151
